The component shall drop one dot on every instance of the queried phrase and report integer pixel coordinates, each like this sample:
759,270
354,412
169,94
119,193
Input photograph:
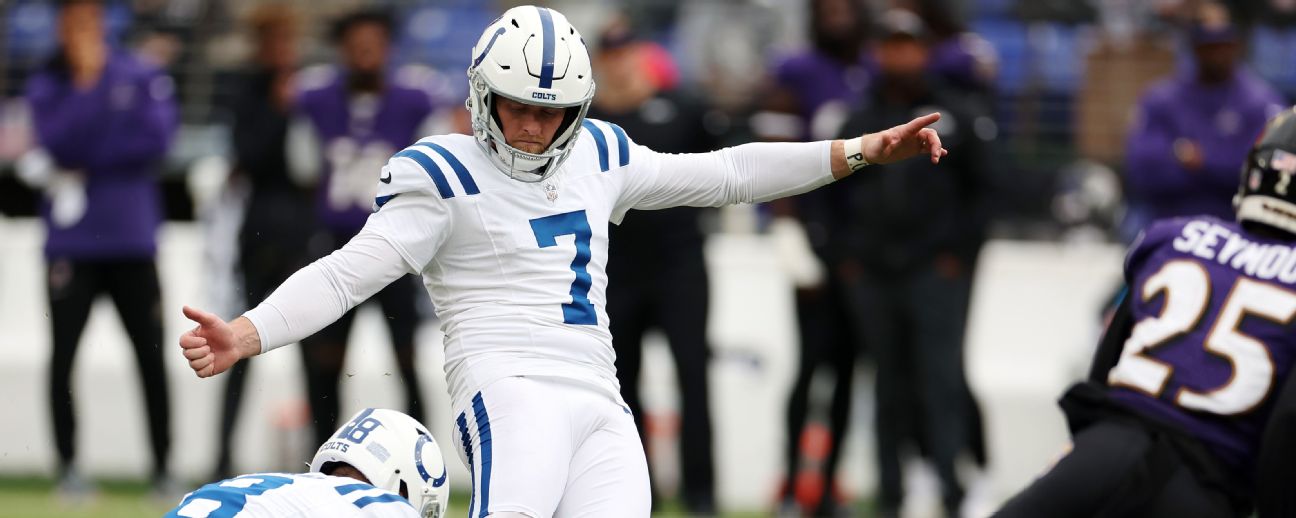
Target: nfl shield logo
1283,161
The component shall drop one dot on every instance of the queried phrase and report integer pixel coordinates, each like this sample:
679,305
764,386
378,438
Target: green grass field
34,498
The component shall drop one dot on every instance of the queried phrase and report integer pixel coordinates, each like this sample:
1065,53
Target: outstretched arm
309,300
764,171
397,240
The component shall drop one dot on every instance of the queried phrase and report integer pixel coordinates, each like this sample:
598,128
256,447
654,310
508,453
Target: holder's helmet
392,450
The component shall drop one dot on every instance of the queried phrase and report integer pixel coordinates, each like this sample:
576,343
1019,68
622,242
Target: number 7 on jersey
580,310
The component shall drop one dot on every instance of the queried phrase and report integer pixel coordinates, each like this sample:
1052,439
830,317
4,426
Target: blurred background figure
906,251
1193,129
657,265
964,65
813,91
360,116
106,119
964,60
276,217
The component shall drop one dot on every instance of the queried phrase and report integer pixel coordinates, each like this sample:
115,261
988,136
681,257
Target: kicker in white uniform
515,265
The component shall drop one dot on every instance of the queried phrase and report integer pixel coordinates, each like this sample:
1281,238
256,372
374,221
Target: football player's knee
509,514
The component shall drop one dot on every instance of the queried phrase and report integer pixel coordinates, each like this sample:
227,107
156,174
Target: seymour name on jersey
1214,242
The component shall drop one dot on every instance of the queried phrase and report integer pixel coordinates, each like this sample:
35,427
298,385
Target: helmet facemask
517,164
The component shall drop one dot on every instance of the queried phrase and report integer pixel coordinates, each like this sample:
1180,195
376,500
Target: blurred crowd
269,122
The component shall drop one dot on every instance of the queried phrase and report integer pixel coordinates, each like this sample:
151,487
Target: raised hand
904,141
214,346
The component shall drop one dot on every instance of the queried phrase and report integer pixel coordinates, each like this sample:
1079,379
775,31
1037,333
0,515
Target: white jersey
516,270
283,495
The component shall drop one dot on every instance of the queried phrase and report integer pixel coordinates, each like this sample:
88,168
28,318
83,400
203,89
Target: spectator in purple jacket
361,115
1193,129
106,119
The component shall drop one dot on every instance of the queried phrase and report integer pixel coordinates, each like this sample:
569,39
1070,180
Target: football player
1185,412
509,229
381,464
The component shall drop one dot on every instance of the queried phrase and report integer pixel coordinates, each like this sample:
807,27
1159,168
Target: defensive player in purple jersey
1185,410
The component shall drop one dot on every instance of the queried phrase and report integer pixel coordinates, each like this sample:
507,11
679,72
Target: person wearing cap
906,251
106,119
658,265
1192,129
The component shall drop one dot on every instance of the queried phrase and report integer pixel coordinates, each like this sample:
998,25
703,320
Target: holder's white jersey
517,271
295,495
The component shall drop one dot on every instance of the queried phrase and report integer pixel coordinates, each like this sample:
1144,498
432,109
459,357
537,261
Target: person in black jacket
905,251
272,239
657,266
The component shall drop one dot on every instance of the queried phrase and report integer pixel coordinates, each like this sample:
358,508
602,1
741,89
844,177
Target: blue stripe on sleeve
382,200
467,446
623,144
470,187
547,60
600,141
380,499
351,488
484,442
430,167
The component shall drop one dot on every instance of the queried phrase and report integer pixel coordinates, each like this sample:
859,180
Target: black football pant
913,324
133,287
323,353
828,343
1118,468
671,295
272,246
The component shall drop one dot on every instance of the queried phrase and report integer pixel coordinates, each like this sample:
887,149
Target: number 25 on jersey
1187,290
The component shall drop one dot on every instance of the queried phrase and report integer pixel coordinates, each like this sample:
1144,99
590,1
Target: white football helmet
392,450
531,55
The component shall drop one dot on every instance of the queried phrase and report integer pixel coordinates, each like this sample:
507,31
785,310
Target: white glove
794,253
67,194
35,168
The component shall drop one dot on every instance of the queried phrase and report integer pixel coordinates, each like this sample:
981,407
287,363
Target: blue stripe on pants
467,446
484,443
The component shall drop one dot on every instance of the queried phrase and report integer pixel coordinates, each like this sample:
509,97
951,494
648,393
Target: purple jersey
1214,306
357,134
115,134
817,80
